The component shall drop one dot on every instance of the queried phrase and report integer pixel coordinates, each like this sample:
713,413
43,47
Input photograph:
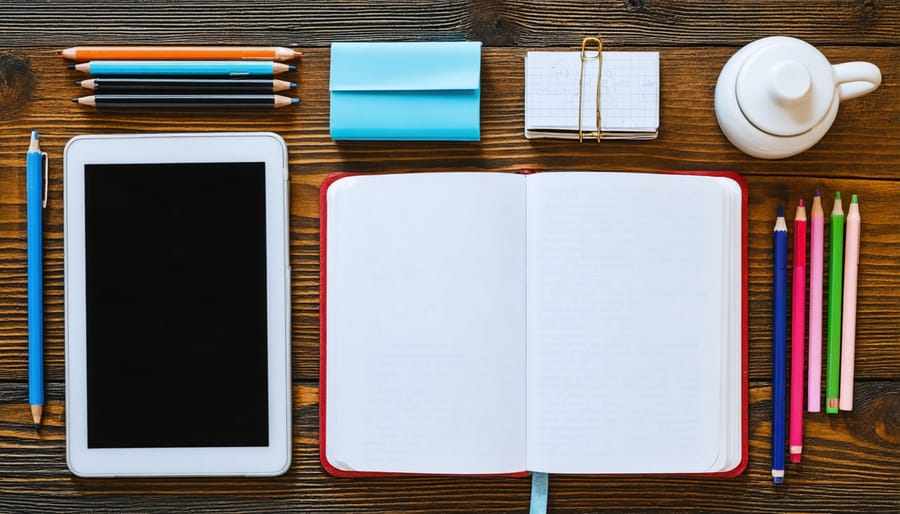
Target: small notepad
629,95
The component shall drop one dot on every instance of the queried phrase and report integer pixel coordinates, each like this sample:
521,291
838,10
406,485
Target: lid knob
785,87
789,82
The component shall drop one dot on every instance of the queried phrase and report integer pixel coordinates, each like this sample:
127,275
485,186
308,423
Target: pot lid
786,87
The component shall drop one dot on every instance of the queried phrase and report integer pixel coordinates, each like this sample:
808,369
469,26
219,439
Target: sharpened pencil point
293,85
75,100
292,68
37,411
780,211
295,101
853,199
71,66
837,195
77,82
817,191
801,203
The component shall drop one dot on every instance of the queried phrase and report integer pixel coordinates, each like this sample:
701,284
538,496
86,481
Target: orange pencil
178,53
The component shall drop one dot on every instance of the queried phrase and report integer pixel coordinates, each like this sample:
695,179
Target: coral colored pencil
816,265
798,332
203,53
848,328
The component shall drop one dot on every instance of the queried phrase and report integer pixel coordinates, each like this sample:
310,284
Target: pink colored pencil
848,328
816,260
798,332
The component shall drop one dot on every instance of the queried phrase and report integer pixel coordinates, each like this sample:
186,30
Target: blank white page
425,323
626,275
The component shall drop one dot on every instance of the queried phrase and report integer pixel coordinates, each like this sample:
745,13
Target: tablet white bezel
180,148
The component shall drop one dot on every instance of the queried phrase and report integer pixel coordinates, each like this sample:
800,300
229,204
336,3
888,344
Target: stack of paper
629,95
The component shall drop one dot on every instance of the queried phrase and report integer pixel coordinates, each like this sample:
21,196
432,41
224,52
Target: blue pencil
183,68
36,200
779,374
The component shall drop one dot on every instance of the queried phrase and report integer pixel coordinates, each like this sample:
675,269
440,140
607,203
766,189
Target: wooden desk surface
851,461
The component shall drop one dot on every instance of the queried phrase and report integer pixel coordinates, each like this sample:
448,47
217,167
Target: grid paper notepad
629,95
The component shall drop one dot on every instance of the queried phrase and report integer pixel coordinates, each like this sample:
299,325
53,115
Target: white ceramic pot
777,96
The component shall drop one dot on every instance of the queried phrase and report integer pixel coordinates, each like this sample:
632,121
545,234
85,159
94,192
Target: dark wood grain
690,139
846,451
497,23
689,135
878,308
851,460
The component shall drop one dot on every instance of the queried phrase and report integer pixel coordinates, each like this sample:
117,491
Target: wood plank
689,135
879,284
853,456
497,23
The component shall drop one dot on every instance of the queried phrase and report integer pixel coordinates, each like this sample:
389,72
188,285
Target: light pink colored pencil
798,332
848,326
816,259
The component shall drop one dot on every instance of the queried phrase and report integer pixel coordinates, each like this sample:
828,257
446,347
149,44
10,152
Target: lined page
625,322
425,323
629,91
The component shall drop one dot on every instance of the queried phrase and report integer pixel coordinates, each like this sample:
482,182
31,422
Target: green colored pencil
835,281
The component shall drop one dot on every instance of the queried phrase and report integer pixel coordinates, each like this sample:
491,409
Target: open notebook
561,322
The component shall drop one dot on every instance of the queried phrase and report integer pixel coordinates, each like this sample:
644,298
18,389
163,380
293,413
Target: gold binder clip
585,57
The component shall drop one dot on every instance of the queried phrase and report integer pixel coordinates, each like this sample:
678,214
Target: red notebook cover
323,336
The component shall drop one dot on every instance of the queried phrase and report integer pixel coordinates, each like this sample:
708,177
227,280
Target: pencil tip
817,191
801,203
292,68
295,101
36,412
71,66
77,82
780,211
75,100
293,85
837,195
853,199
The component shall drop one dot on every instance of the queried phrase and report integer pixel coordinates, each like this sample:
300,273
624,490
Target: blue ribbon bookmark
539,483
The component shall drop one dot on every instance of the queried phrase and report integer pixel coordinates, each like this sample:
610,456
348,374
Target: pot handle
856,79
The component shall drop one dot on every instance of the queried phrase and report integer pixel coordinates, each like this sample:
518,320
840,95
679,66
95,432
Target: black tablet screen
176,305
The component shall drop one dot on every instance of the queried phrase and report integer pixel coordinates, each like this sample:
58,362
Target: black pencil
228,101
115,85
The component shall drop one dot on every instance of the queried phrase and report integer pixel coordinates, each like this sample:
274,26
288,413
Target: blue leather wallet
406,91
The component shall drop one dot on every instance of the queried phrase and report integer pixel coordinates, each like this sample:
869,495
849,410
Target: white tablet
177,305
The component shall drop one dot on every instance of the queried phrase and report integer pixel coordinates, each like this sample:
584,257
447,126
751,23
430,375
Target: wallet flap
421,66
